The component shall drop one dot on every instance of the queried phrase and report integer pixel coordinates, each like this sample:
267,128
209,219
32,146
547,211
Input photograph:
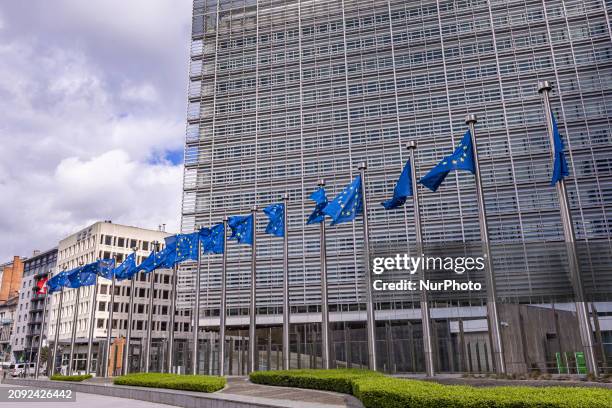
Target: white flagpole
57,328
73,334
128,336
492,312
196,314
370,314
418,232
286,303
582,312
109,330
92,321
150,317
325,350
223,308
253,306
172,318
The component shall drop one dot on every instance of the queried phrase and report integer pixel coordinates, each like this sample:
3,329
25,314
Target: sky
92,116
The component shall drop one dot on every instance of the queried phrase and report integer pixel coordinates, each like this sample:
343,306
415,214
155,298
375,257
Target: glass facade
283,93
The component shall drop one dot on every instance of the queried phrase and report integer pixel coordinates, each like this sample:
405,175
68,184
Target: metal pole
582,312
57,329
92,320
286,303
196,314
325,346
222,309
128,335
73,335
370,316
40,336
252,366
172,319
418,232
109,330
150,312
492,312
150,322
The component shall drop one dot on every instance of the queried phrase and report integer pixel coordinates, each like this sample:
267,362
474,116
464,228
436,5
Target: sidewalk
294,397
239,393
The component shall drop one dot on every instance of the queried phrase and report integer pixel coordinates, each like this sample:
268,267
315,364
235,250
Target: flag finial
411,144
470,118
544,86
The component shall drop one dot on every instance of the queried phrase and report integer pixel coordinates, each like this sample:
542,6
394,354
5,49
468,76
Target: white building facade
107,240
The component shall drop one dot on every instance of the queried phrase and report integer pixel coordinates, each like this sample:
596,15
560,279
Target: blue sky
92,116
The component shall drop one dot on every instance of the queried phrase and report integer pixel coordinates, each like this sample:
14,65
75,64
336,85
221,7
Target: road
82,400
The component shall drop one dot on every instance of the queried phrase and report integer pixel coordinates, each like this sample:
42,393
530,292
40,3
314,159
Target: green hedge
379,391
76,378
201,383
326,380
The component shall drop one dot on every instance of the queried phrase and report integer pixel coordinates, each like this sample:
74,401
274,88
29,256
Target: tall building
27,327
104,240
283,93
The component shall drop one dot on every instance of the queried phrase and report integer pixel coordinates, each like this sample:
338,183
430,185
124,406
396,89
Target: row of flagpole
345,207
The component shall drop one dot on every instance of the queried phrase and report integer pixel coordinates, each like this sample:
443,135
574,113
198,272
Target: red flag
42,286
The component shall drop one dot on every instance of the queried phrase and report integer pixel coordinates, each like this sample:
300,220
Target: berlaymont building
284,93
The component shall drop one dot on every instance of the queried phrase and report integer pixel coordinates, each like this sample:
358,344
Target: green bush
201,383
340,380
379,391
76,378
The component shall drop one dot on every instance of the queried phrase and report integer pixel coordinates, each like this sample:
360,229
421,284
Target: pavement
292,396
82,400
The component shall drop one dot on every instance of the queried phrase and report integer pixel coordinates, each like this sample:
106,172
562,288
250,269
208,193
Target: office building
284,93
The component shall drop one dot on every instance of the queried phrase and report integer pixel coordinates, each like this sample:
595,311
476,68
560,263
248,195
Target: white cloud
81,131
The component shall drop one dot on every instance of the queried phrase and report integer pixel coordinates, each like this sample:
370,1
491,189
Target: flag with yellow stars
320,199
461,159
402,190
276,222
347,205
213,239
242,228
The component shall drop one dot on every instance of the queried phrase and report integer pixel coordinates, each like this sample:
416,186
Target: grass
376,390
200,383
74,378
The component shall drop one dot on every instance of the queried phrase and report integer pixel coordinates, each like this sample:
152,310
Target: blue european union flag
461,159
347,205
57,282
179,248
127,269
105,268
153,261
213,239
320,199
82,276
402,190
242,228
187,247
276,223
560,167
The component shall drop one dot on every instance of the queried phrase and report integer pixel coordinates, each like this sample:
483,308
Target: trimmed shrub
200,383
379,391
75,378
340,380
